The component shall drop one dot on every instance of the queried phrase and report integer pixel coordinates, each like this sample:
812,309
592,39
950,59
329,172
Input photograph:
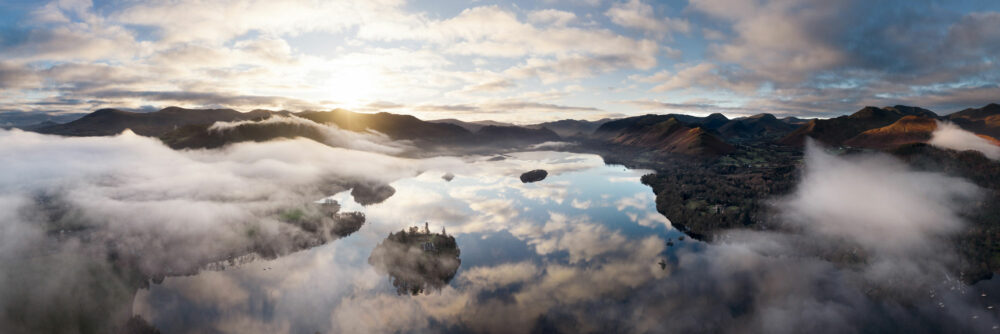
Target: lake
587,232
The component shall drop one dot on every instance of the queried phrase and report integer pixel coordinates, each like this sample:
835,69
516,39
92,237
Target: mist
78,211
864,244
370,141
864,247
951,136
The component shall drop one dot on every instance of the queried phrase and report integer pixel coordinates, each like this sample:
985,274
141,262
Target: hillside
107,122
471,126
985,120
663,133
513,135
200,136
571,127
397,127
760,126
907,130
835,131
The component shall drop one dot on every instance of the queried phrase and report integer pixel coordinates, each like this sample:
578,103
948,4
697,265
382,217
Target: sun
351,86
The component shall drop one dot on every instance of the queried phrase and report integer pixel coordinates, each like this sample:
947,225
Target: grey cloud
541,106
578,66
851,52
691,106
18,77
209,99
492,86
503,106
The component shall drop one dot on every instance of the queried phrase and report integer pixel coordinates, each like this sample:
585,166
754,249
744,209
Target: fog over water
864,247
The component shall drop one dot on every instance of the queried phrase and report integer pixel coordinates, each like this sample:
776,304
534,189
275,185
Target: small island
368,193
417,260
534,176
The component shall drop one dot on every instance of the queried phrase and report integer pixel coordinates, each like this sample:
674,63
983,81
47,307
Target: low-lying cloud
370,141
81,209
951,136
865,246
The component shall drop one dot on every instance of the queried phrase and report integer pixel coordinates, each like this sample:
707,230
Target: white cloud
638,15
950,136
551,16
876,201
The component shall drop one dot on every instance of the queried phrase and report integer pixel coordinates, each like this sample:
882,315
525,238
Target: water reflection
581,251
586,232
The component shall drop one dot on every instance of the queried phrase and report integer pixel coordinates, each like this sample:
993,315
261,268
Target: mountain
836,131
711,122
471,126
106,122
907,130
32,120
571,127
761,126
397,127
795,120
662,133
34,127
200,136
985,120
493,135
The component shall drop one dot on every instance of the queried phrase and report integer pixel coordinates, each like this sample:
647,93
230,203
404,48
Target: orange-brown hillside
672,136
907,130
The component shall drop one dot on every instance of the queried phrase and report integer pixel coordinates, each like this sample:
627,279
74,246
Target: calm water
586,233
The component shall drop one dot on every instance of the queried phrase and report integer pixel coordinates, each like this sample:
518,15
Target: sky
521,61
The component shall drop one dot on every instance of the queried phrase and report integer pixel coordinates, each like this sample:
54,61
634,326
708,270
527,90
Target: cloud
638,15
876,201
550,145
865,206
703,75
18,77
209,99
950,136
551,16
71,203
334,136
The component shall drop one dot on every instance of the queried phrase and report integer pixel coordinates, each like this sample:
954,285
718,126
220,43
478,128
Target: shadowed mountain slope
398,127
571,127
760,126
662,133
107,122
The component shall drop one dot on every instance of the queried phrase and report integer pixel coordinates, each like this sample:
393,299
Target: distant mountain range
665,133
890,127
713,135
107,122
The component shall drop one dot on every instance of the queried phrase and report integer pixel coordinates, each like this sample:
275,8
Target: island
534,176
417,260
368,193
